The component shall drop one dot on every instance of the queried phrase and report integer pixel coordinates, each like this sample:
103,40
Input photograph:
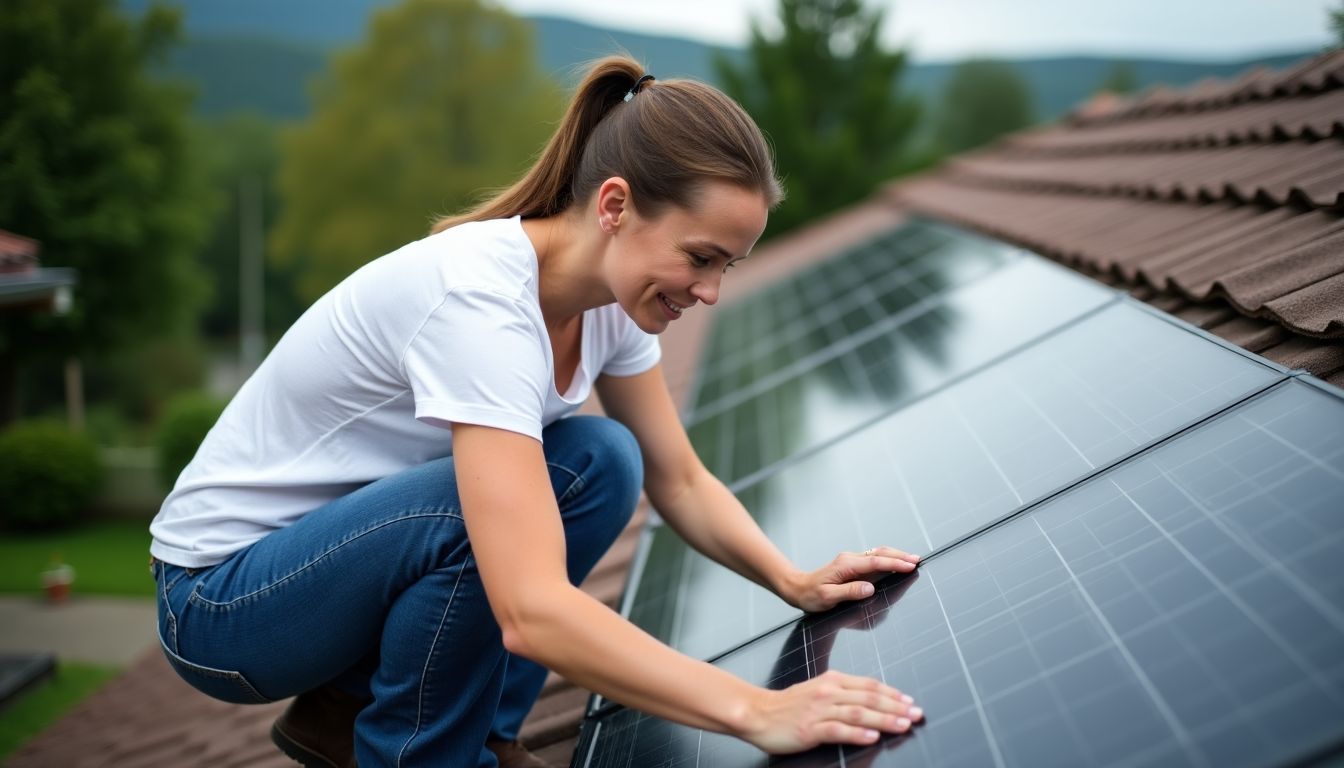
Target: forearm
578,637
711,519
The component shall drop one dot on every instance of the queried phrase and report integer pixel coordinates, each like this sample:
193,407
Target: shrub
48,475
185,422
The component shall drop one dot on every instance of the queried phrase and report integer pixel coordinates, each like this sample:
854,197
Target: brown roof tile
1230,193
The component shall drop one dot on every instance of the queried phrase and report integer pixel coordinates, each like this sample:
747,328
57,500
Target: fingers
879,560
891,552
861,708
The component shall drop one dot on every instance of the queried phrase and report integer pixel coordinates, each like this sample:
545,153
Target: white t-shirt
370,378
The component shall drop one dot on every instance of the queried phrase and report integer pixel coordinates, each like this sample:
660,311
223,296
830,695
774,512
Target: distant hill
259,55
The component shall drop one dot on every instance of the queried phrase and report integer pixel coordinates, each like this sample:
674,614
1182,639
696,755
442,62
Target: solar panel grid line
772,342
1272,632
1265,560
821,356
1158,700
793,336
773,469
876,263
975,696
803,317
989,455
1133,455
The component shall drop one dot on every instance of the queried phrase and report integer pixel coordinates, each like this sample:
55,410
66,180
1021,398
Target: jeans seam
168,607
429,658
220,674
575,486
199,599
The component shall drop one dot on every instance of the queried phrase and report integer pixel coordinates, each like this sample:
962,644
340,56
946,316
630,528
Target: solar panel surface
1181,608
796,320
876,367
952,462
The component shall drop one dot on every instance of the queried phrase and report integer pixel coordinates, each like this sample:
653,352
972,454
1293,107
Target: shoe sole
298,752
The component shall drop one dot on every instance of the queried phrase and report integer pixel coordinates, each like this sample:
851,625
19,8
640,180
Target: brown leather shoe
318,728
513,754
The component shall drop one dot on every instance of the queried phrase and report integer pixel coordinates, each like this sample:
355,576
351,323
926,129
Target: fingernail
866,589
916,713
907,698
902,723
870,734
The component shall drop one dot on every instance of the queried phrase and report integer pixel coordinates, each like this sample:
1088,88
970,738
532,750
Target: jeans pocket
222,684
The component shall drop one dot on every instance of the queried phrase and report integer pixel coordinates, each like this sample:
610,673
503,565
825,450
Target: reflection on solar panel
863,375
953,462
1133,527
1181,608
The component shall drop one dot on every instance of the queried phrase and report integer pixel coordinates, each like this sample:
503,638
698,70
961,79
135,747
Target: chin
650,320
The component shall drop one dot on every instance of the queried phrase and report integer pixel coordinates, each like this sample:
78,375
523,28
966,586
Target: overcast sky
950,29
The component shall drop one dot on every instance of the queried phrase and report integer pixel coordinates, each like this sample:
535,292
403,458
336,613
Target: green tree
1337,24
982,100
825,92
94,162
1121,79
442,102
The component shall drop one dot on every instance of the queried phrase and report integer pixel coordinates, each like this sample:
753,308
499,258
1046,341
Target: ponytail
672,135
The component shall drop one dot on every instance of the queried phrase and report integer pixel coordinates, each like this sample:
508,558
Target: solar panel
953,462
798,318
860,376
1181,608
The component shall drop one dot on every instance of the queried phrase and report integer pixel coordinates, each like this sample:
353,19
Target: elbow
529,624
515,641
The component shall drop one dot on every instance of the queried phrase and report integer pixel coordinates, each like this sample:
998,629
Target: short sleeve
635,351
478,359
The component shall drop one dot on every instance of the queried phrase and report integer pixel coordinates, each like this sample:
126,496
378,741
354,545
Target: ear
613,204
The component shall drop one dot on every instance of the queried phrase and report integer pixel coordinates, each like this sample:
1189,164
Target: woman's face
660,268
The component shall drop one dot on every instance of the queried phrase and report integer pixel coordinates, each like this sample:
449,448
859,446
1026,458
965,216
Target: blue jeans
377,593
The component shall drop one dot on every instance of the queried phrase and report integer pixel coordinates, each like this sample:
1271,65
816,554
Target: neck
569,273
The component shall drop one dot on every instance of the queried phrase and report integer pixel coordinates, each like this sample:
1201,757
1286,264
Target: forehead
725,214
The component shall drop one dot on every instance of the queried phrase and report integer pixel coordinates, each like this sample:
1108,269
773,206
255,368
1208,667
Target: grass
43,705
109,558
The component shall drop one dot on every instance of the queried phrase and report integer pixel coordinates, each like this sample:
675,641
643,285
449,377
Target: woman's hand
834,708
849,576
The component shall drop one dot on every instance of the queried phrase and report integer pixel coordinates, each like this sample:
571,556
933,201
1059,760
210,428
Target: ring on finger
869,552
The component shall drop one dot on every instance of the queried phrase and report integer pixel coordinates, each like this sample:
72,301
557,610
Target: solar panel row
1181,608
1089,598
955,461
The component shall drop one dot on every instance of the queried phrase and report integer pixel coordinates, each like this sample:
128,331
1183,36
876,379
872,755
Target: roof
25,286
17,253
1220,204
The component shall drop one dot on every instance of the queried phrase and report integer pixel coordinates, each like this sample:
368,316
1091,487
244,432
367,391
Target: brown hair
664,141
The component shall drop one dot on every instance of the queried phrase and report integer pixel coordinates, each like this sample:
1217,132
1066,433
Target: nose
707,291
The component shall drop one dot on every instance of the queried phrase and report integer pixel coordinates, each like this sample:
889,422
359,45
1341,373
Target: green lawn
109,558
43,705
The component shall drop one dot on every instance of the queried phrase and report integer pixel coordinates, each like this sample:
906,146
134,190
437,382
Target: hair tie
630,94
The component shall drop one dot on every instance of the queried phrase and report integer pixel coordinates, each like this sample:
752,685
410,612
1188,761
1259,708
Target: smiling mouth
675,309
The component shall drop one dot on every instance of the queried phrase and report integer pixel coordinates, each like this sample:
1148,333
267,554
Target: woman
390,517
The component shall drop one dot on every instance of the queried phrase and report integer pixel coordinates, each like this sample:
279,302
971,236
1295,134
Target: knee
606,455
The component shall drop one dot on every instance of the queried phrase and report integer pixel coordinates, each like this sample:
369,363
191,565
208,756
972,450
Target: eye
729,265
699,261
